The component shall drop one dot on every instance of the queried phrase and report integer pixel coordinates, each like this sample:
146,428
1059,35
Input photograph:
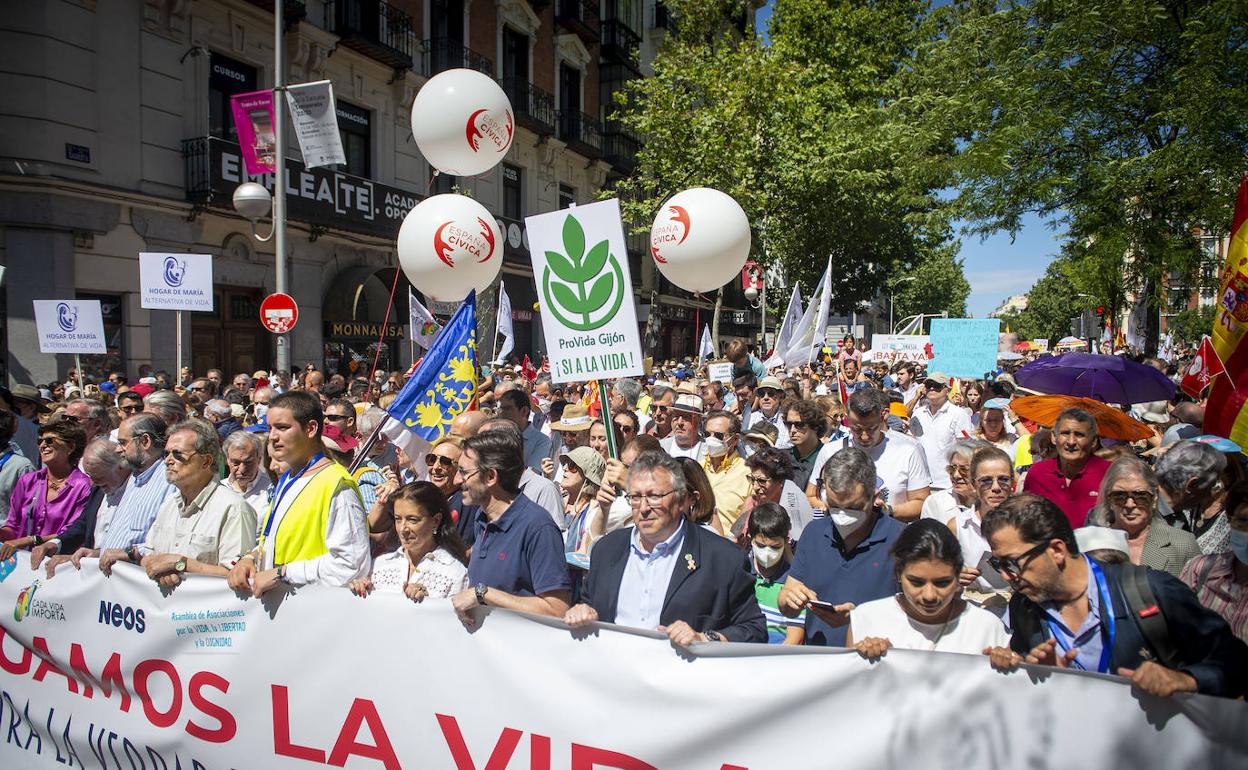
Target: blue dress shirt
643,587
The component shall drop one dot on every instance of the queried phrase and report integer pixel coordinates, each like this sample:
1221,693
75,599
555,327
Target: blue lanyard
283,485
1107,621
7,456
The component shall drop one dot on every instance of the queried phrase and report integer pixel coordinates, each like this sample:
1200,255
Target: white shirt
936,433
544,492
966,526
439,572
969,633
782,435
257,492
669,446
346,540
217,527
941,506
899,465
104,514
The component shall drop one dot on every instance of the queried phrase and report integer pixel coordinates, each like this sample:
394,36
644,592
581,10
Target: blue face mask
1239,545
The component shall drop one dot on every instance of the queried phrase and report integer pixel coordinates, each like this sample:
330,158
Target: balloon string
432,179
381,340
482,177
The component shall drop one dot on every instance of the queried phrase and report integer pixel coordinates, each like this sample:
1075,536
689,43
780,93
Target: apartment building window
226,78
443,183
354,123
513,192
515,60
567,196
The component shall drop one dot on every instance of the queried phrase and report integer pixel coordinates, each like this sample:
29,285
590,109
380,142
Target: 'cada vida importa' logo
28,607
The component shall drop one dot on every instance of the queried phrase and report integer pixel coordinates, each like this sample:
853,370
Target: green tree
1051,303
1120,116
937,285
799,132
1189,325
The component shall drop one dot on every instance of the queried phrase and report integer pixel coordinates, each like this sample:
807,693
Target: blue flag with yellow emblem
445,382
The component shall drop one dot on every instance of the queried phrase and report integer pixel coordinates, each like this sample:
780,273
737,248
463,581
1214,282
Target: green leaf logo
583,290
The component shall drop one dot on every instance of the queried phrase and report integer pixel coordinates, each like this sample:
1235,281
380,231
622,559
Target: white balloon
449,245
700,239
462,122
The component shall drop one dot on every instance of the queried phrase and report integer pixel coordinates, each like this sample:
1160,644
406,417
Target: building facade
118,139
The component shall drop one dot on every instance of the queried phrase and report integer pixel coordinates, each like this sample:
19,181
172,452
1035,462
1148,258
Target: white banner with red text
108,672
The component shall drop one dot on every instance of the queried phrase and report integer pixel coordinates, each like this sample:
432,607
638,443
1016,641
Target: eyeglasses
794,424
1142,497
194,389
431,460
659,408
957,470
1016,564
758,481
49,440
336,417
624,427
986,482
722,435
654,498
71,418
767,393
466,474
178,455
131,408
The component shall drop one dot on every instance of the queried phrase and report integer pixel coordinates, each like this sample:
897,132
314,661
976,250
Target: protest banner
720,371
585,291
109,672
257,139
1041,344
175,281
315,120
901,347
70,326
964,347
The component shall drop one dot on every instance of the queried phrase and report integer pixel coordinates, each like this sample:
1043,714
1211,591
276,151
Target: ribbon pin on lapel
689,563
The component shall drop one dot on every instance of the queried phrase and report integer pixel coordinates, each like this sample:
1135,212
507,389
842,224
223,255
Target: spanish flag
1225,413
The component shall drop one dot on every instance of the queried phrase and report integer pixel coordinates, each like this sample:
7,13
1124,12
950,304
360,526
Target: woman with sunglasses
46,501
992,475
1128,501
960,496
770,475
928,613
993,426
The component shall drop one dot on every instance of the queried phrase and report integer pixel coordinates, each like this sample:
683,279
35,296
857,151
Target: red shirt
1075,496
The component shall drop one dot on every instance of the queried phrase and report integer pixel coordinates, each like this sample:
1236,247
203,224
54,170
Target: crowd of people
838,505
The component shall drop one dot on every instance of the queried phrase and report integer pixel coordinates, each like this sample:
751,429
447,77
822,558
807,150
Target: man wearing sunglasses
1071,611
686,437
770,394
937,425
662,398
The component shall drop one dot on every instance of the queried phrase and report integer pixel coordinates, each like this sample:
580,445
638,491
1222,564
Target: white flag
821,317
705,348
314,114
424,329
792,317
805,335
504,324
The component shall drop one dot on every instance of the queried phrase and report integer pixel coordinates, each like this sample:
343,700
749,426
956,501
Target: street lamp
891,290
253,203
752,294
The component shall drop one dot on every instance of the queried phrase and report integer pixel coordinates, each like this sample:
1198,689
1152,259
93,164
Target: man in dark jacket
667,573
1073,612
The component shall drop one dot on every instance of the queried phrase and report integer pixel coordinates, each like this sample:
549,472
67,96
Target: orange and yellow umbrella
1110,422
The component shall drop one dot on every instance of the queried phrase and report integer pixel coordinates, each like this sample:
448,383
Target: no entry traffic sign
278,313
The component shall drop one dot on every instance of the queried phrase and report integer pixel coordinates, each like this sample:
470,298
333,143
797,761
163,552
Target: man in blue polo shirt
844,559
517,559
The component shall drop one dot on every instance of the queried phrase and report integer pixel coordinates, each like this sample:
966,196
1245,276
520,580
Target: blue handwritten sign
964,347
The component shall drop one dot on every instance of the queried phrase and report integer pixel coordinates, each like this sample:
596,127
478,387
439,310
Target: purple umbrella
1111,379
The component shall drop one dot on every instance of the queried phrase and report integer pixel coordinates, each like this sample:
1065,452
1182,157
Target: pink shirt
31,514
1074,496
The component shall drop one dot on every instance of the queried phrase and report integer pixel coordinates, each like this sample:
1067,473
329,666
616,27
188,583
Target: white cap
1101,538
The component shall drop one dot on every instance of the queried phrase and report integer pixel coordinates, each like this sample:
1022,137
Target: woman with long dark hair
431,560
928,613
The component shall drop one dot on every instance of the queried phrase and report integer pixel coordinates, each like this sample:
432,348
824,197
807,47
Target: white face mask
1239,545
715,447
544,405
261,411
846,520
767,555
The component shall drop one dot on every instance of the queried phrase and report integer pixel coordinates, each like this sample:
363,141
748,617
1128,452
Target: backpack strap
1147,614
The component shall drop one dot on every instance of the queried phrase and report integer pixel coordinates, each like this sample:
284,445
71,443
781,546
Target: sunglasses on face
791,424
624,427
957,470
758,481
48,440
1016,564
431,460
768,393
1142,498
659,409
178,455
987,482
721,435
335,417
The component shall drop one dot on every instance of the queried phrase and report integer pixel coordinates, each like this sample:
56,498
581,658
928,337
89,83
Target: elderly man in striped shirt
141,440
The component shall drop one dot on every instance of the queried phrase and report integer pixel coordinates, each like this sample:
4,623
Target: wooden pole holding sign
178,349
78,368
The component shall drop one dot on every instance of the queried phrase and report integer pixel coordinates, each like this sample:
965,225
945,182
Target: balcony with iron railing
580,17
444,53
620,36
534,108
374,28
581,132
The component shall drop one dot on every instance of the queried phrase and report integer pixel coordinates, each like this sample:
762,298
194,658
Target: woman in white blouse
992,475
929,612
431,559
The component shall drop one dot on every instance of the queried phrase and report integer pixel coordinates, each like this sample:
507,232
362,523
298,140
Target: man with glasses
898,459
91,416
129,404
770,394
725,467
200,392
686,437
667,574
1071,611
805,423
662,398
517,555
205,528
624,397
937,425
141,442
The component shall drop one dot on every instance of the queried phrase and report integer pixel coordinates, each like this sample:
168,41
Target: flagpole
361,454
612,450
498,317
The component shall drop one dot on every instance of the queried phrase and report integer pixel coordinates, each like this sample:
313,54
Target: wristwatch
713,636
134,554
179,566
39,539
281,574
480,590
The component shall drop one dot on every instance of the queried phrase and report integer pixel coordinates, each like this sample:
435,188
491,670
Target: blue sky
995,267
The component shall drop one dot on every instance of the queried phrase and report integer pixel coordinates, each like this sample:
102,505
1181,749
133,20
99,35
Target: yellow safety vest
300,535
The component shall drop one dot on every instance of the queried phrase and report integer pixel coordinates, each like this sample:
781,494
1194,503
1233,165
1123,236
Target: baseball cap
769,382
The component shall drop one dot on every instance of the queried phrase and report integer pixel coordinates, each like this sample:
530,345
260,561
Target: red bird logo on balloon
678,214
474,133
441,247
487,233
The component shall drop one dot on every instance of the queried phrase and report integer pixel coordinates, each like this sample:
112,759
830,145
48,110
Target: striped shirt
145,491
1212,577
